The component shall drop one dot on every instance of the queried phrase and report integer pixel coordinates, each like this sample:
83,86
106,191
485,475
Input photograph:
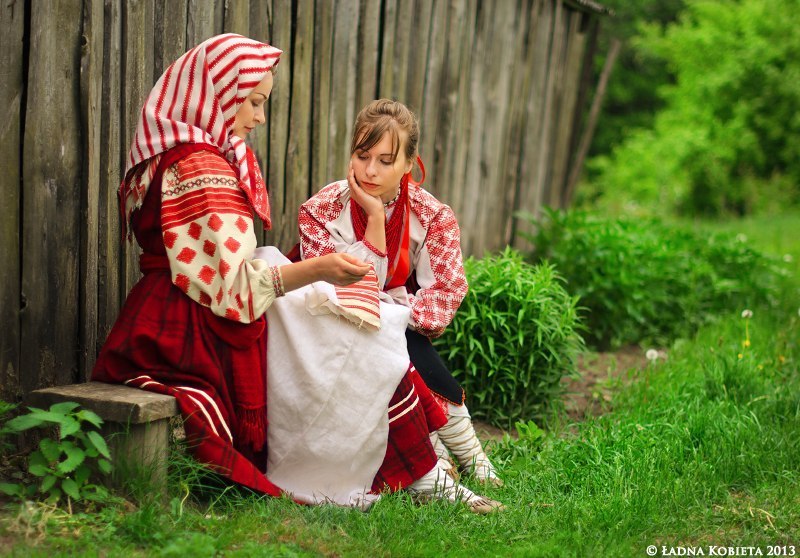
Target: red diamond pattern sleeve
207,226
438,266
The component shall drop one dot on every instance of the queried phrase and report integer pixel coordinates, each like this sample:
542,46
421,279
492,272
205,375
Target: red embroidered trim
373,249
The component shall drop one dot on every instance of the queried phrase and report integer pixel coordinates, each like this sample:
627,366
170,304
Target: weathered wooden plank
279,106
446,139
203,20
497,76
517,101
432,96
474,121
113,151
343,87
12,22
386,85
553,88
137,40
369,42
462,123
418,40
113,402
170,34
237,17
399,56
321,103
298,185
591,121
51,205
591,27
91,87
541,28
571,69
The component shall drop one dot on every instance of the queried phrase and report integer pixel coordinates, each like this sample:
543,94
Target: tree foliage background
702,112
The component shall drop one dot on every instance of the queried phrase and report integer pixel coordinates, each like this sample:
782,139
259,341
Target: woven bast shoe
485,506
436,484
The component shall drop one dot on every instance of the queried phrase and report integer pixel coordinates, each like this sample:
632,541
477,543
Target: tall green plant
513,339
64,464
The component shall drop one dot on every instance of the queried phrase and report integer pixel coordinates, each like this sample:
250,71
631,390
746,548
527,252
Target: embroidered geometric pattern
200,182
207,227
434,305
360,301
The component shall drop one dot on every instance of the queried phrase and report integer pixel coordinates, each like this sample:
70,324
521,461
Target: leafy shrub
66,464
513,338
645,280
728,137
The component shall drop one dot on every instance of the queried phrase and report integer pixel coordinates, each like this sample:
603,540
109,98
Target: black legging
432,368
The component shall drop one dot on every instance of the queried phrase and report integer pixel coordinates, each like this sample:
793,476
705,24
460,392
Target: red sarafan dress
193,327
168,340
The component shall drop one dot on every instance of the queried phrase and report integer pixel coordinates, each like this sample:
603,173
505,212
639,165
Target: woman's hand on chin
372,205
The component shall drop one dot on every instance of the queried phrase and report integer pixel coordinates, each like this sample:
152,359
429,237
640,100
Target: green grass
700,449
778,235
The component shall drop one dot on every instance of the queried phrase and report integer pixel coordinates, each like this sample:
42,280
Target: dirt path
601,374
590,394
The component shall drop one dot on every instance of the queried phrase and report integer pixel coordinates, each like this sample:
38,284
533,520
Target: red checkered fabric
433,305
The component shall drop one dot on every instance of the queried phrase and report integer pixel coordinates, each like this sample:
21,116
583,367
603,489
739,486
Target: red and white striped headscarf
195,101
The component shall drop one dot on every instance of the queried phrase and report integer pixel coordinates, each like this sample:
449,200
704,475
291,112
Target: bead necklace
391,201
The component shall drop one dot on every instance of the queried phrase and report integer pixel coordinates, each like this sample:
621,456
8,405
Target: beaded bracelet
277,280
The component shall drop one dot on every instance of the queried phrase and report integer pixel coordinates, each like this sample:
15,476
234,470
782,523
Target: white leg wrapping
459,437
445,461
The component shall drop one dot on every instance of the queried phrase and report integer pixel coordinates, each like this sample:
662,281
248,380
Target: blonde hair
382,116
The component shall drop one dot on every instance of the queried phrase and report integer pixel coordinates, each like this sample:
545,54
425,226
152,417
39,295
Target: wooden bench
136,425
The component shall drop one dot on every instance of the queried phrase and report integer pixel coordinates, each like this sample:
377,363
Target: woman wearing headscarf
194,326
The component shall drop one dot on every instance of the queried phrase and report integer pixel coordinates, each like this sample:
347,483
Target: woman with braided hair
381,216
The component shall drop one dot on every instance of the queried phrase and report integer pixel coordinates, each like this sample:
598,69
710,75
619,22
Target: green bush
727,140
643,280
513,339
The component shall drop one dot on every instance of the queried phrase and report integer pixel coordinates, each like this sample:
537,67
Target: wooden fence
499,86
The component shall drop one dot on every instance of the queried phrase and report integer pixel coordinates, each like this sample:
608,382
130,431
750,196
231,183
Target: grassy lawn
699,448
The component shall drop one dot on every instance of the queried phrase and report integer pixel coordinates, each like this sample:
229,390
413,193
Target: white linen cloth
328,389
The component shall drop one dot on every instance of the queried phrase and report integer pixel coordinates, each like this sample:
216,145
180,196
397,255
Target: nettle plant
516,334
64,464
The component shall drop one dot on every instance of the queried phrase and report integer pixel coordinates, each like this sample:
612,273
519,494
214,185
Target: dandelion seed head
747,314
788,258
651,355
741,237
